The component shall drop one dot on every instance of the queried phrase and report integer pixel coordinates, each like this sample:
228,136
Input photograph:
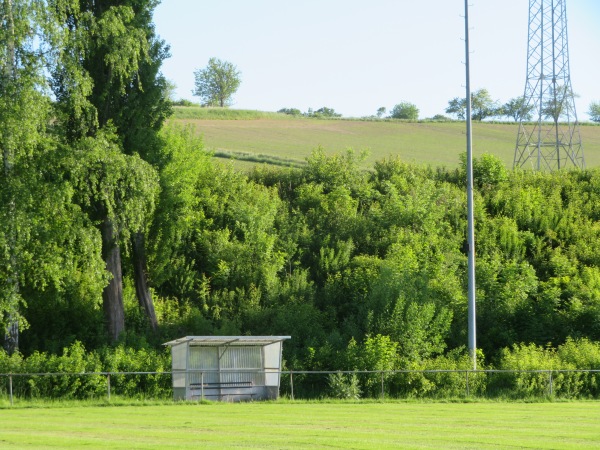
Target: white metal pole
470,224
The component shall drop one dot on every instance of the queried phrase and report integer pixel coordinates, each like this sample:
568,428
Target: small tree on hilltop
594,111
517,108
405,110
323,112
217,83
482,106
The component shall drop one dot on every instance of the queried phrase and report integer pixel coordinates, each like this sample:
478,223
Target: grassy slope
434,143
304,425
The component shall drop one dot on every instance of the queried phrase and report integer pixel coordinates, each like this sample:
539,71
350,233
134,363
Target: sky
356,56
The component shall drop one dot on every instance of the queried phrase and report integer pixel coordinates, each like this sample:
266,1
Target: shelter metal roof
227,340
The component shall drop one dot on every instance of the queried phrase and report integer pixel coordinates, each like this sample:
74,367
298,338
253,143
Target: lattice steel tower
548,137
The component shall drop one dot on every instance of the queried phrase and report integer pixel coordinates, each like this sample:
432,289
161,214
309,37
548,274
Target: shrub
74,360
290,111
79,374
378,353
406,111
582,354
184,102
453,383
344,386
323,112
534,373
123,359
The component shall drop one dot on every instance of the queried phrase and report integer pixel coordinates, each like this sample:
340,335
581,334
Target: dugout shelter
226,368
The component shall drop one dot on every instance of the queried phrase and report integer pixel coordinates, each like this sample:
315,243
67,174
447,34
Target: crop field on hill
301,425
434,143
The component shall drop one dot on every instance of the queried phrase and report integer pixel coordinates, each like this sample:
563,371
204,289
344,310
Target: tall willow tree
23,114
111,106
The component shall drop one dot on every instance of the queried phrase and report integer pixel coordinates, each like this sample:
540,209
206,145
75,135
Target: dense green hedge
95,364
523,371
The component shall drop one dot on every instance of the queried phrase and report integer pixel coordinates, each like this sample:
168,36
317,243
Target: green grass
288,138
287,425
202,113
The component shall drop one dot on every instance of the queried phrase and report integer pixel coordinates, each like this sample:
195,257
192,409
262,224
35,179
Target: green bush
123,359
77,374
535,372
290,111
450,374
583,355
184,102
528,365
67,384
344,386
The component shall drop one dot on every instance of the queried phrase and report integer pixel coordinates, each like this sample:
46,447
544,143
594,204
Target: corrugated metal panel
239,364
203,359
241,358
256,377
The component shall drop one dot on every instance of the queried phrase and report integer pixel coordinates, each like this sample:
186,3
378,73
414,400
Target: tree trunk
112,296
140,274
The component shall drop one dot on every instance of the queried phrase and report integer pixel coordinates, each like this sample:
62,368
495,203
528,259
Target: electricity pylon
548,137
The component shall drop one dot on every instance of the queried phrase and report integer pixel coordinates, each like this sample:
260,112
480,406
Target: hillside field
284,425
286,138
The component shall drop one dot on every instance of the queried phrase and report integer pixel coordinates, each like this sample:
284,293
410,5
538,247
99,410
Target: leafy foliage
217,82
290,111
482,106
322,112
344,386
405,110
594,111
517,109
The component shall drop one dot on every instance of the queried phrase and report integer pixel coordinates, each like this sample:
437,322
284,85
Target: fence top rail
441,371
60,374
302,372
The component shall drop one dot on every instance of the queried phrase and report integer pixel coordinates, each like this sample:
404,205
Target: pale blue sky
356,56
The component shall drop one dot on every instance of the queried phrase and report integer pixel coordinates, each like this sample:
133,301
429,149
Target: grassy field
305,425
294,138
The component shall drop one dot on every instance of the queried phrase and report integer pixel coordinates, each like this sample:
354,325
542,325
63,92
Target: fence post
382,390
202,386
10,389
292,383
550,379
467,380
108,385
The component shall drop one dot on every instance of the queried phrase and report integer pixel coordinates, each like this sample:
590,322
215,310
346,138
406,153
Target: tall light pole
470,221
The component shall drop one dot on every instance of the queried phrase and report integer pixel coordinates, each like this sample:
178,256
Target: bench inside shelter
226,390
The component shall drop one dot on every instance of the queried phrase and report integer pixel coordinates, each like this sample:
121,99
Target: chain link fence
306,385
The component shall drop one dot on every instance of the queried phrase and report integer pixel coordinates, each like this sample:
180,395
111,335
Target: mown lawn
305,425
433,143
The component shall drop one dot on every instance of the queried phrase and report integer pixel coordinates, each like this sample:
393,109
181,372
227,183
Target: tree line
119,230
219,80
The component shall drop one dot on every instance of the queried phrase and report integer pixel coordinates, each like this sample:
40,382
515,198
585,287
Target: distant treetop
217,82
